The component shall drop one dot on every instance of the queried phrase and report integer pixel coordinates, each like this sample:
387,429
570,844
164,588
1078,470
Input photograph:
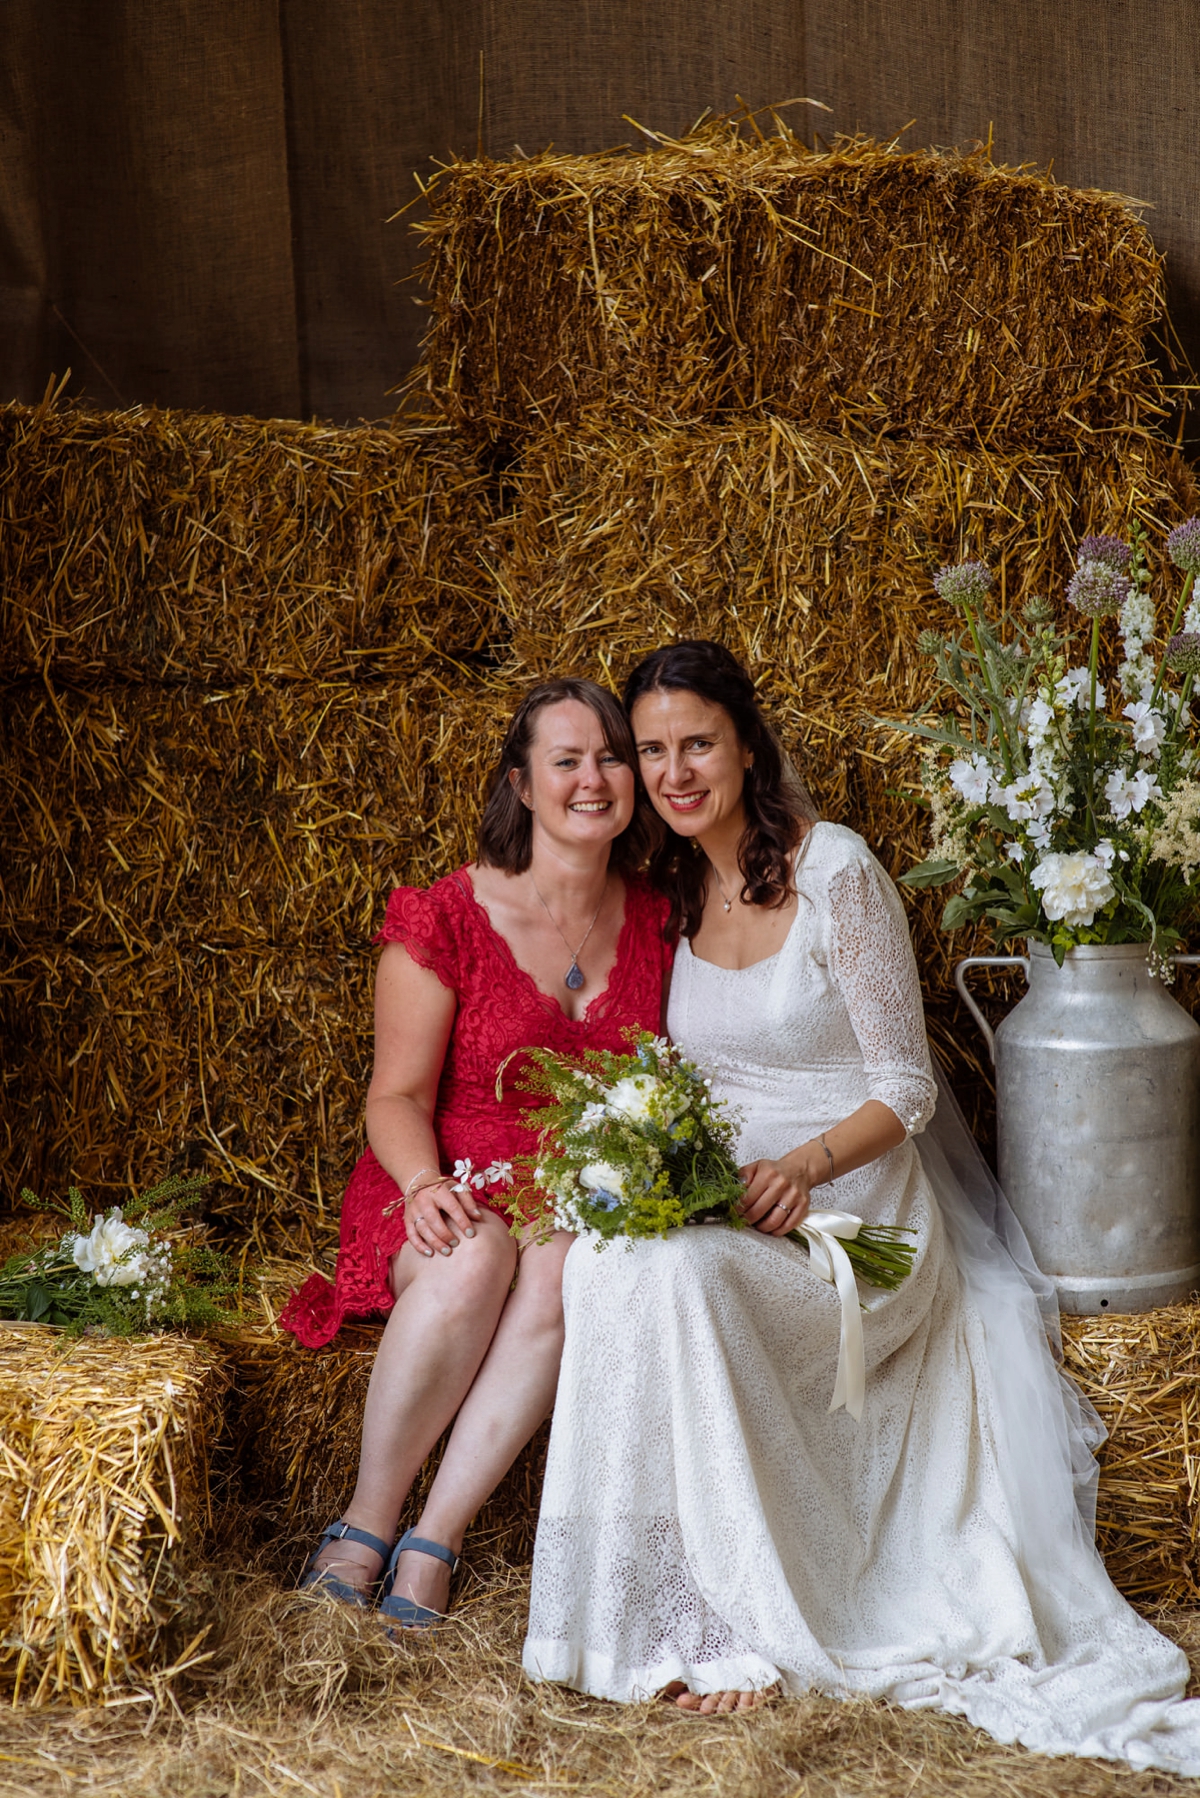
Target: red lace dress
500,1009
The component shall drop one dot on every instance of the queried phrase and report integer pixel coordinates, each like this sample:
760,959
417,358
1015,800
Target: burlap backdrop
194,194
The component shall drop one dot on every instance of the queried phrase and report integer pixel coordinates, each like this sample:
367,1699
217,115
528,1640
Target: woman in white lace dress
709,1527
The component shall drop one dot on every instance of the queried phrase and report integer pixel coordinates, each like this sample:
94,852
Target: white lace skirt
705,1517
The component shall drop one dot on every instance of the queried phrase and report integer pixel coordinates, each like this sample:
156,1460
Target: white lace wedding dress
706,1518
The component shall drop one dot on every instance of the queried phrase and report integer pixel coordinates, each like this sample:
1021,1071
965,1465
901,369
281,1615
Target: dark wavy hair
778,810
506,827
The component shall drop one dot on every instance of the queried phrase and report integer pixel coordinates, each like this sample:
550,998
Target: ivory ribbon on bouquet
830,1261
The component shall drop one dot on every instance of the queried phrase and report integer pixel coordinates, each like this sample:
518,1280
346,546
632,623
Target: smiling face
692,762
579,792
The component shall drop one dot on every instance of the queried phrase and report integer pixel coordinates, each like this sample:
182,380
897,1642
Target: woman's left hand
774,1201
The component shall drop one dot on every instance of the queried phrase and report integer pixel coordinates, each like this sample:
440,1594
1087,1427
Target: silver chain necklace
574,976
727,903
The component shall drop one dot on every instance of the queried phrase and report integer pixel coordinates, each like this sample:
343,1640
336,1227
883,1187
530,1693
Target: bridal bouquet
1068,806
635,1145
128,1270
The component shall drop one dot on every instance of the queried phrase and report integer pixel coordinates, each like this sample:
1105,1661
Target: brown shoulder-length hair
778,810
506,828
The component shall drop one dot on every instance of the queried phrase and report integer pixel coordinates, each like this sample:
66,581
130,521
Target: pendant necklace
725,902
574,976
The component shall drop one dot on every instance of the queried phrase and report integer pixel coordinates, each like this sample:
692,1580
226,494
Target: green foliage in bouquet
134,1269
635,1145
1068,815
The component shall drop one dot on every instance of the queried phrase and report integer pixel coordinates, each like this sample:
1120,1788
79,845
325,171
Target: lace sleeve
871,958
423,921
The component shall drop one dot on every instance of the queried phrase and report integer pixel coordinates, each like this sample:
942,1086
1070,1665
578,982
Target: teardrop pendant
573,977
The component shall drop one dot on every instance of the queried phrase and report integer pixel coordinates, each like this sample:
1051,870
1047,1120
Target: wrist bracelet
828,1156
416,1177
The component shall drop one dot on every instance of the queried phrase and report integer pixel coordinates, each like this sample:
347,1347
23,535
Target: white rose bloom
971,780
114,1253
601,1176
632,1097
1149,726
1073,887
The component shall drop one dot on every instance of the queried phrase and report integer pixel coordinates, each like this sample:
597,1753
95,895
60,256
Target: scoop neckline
765,960
548,999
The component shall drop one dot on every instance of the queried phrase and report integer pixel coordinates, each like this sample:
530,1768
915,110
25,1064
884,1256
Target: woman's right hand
435,1213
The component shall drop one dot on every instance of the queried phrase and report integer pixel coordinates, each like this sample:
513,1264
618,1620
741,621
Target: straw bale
860,288
105,1506
278,813
1142,1373
179,545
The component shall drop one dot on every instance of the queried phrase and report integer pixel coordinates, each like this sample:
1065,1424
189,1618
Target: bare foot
705,1705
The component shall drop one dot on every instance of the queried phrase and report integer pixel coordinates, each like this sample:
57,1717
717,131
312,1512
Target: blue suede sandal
406,1611
329,1583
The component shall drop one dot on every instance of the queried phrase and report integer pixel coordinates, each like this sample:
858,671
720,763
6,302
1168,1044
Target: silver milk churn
1098,1125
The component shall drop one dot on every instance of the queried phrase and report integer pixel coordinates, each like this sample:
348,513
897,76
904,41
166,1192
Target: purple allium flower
1183,546
964,584
1112,550
1098,588
1183,652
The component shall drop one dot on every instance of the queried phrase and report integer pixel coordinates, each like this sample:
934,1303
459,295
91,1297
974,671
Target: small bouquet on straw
132,1269
635,1145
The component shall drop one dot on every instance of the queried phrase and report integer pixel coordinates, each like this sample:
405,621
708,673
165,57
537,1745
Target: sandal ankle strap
341,1531
423,1546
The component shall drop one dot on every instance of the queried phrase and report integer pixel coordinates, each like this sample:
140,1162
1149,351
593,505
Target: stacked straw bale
248,676
103,1508
863,289
178,546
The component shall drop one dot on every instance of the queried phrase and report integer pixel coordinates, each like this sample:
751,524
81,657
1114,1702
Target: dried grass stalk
1142,1373
863,288
193,546
105,1504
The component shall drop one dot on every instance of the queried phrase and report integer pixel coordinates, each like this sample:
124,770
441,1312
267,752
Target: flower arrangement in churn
1068,807
125,1271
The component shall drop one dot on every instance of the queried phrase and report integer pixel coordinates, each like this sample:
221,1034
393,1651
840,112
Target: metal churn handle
1015,961
985,961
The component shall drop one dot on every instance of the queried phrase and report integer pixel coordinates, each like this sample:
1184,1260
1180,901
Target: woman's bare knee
479,1269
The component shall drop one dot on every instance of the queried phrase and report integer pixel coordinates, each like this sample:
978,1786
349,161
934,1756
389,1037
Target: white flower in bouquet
1073,887
114,1253
1026,799
640,1097
1149,727
1128,793
972,780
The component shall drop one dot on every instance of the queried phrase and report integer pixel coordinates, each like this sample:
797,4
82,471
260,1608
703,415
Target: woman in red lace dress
548,939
